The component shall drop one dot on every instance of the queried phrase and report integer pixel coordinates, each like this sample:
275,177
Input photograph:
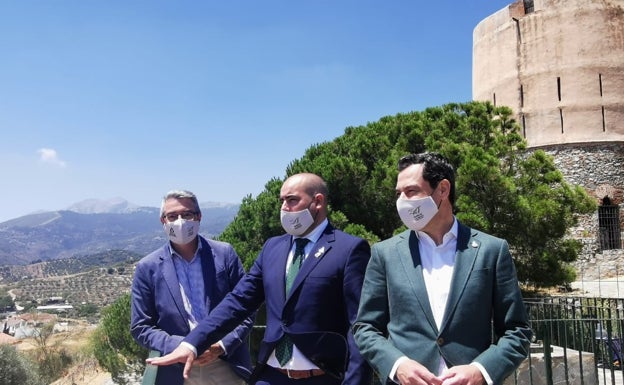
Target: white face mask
296,223
416,213
181,231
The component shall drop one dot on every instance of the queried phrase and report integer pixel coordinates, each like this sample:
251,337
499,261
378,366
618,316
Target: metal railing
578,341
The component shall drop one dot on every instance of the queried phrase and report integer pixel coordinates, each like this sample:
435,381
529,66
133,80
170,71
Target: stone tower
559,64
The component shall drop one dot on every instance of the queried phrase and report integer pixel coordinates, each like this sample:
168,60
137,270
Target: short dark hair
436,167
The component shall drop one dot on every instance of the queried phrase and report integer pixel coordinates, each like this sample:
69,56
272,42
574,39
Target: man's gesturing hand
179,355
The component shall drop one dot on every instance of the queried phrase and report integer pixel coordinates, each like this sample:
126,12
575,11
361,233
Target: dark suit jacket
395,317
159,320
317,314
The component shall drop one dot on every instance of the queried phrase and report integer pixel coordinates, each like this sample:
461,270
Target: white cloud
49,155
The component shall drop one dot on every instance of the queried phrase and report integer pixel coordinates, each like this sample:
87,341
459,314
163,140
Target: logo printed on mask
416,214
295,223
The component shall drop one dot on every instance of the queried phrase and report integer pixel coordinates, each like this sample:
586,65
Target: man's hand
462,375
179,355
210,355
411,372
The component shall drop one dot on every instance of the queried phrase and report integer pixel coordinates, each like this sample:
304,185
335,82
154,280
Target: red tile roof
7,339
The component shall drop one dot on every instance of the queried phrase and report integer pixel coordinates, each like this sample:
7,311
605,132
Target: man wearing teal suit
434,295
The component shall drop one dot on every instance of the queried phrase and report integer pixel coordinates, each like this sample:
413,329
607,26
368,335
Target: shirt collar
173,253
451,235
315,234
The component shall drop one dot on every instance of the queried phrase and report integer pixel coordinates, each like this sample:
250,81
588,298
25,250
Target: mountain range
94,226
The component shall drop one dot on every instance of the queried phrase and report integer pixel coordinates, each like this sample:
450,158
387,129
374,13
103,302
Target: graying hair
179,194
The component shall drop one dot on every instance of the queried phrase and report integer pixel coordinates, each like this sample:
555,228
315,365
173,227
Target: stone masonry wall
599,168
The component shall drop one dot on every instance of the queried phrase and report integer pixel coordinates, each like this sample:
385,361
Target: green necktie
284,348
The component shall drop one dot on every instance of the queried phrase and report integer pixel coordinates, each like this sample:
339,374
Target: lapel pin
474,244
319,252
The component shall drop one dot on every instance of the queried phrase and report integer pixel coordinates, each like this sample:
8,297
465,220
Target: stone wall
599,169
565,369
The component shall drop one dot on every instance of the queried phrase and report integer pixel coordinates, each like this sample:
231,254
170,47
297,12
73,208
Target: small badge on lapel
474,244
319,252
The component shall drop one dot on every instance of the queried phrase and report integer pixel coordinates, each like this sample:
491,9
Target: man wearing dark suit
315,314
176,286
433,294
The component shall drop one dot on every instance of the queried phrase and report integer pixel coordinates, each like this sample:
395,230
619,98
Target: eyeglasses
186,215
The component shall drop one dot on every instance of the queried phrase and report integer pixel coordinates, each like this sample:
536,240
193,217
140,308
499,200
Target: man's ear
444,187
319,200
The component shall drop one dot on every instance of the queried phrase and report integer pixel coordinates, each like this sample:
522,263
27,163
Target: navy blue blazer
159,320
318,312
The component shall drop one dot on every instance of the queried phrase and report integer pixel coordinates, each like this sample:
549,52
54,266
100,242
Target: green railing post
149,375
547,359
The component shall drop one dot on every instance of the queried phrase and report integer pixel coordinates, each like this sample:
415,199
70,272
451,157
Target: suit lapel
467,248
409,255
208,273
281,252
321,248
171,279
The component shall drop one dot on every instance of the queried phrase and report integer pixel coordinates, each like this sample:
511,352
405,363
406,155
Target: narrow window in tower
523,126
600,83
521,96
609,225
518,34
561,119
559,88
494,99
604,124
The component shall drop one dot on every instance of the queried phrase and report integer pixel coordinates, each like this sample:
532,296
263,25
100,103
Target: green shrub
16,369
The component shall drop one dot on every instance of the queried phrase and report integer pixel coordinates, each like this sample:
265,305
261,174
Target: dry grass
85,370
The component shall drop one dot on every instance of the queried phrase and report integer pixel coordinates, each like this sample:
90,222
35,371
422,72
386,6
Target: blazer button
440,341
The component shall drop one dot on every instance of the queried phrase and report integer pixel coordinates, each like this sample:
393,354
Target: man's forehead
412,175
292,186
414,171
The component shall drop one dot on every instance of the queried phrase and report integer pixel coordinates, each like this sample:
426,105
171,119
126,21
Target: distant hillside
67,266
96,279
61,234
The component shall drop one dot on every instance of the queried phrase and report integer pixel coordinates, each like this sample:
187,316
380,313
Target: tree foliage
502,188
16,369
86,310
6,303
113,345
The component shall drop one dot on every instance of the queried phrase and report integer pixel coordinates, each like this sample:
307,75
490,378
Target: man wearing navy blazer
315,315
434,295
179,284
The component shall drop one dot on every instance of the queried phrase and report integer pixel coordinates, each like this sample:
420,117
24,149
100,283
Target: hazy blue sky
104,99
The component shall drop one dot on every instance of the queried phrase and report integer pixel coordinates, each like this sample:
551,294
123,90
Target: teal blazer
485,319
